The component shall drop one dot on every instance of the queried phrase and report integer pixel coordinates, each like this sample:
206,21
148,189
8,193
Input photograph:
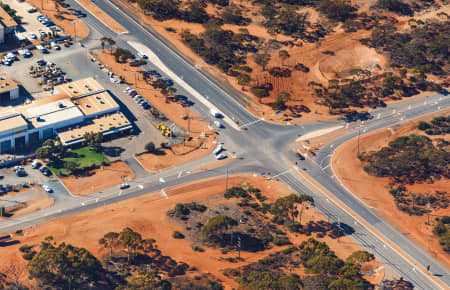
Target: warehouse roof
12,122
105,124
80,87
5,19
6,84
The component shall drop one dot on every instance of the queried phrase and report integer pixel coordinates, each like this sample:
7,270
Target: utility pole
75,29
359,134
239,246
226,179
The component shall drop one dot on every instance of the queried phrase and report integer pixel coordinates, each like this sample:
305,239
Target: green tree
148,280
93,140
360,257
287,206
57,265
243,79
336,9
109,240
262,59
283,54
131,240
218,224
71,165
150,147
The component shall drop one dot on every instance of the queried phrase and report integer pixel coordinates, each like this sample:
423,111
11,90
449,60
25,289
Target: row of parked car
47,22
138,98
37,165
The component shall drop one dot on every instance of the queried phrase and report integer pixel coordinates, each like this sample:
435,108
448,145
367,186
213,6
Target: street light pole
359,134
75,29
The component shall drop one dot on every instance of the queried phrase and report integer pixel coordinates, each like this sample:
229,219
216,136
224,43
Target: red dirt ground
147,215
374,190
112,175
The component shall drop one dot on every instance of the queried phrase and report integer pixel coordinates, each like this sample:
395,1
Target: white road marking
141,186
179,174
161,180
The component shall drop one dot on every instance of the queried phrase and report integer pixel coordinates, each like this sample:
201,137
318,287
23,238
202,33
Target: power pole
226,179
239,246
359,134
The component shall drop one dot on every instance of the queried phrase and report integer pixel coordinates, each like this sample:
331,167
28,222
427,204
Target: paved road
263,147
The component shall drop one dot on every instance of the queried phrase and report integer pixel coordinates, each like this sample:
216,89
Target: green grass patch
84,157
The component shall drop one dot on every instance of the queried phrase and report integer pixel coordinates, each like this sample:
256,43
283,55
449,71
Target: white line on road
141,186
161,180
179,174
164,194
281,173
253,122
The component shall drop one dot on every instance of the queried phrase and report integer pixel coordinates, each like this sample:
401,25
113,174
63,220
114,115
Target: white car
127,89
47,188
141,55
32,35
221,156
31,10
124,186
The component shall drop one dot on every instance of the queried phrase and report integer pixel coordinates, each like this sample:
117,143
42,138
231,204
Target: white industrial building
7,25
78,107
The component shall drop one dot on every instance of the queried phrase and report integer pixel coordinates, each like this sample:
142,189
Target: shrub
150,147
177,235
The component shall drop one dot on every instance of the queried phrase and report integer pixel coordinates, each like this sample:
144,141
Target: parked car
132,94
127,89
32,35
31,10
36,164
146,106
47,188
141,55
124,186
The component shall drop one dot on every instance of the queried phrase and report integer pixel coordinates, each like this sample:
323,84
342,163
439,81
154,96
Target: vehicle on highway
124,186
215,113
221,156
218,149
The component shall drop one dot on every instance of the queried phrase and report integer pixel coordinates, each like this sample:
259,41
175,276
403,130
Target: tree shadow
113,151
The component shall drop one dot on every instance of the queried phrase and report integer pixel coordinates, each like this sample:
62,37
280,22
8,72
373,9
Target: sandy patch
103,178
66,24
101,15
374,190
43,201
147,215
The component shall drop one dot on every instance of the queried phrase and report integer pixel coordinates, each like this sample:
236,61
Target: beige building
7,25
78,107
9,90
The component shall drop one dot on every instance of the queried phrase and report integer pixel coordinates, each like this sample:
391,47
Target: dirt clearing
99,179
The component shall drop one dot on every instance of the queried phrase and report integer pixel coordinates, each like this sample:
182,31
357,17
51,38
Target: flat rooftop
5,19
12,122
80,87
6,84
52,113
104,124
96,103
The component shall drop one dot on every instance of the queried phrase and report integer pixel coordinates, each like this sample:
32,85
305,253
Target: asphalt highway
260,148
